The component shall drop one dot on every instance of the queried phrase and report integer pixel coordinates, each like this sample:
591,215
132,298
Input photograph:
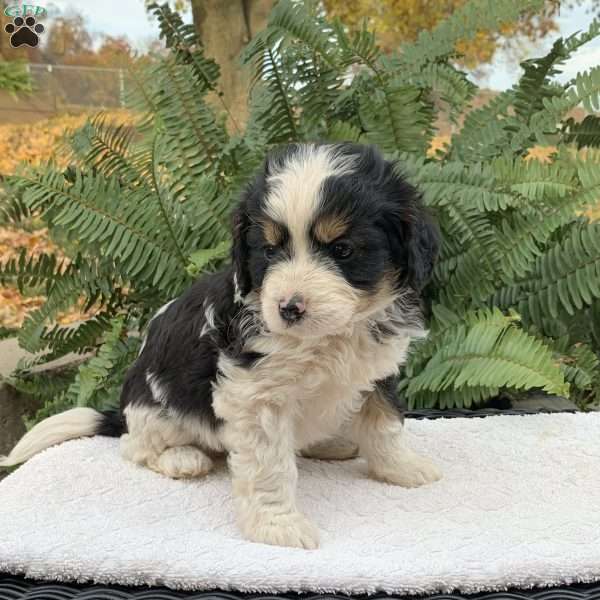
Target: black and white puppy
298,341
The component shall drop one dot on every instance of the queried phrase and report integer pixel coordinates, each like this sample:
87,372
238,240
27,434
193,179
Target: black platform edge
434,413
19,588
14,588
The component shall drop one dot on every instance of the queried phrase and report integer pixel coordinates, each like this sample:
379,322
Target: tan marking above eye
329,228
273,233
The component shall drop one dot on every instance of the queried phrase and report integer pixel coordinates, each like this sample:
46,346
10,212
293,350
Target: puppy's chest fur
322,383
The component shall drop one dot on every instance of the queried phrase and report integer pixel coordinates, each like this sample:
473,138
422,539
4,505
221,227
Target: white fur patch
295,189
153,435
163,308
321,380
209,315
159,392
159,312
331,302
237,292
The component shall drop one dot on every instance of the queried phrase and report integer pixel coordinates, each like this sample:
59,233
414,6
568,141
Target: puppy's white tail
74,423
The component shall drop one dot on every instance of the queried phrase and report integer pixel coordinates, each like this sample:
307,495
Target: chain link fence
64,88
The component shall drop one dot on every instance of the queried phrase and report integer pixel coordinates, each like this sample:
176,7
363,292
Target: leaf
202,258
489,352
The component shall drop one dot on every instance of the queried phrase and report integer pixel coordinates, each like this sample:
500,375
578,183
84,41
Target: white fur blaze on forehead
295,189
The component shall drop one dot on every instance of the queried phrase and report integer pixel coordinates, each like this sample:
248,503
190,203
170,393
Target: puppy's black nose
292,309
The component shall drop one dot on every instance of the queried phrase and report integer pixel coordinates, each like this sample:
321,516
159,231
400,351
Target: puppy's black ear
239,249
422,248
414,237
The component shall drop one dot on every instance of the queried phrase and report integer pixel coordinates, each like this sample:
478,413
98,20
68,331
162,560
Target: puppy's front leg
264,473
378,429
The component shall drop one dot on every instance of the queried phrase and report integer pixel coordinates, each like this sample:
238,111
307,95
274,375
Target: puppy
298,341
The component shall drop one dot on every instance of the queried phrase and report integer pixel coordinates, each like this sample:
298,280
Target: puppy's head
327,236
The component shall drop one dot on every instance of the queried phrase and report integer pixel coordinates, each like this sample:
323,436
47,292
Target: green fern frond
271,99
42,386
535,85
316,91
468,397
14,77
490,353
395,116
475,185
206,208
449,83
463,24
197,145
98,372
360,47
108,149
28,271
293,20
7,332
91,208
200,260
79,338
581,365
183,41
584,134
483,135
584,89
537,183
565,277
341,131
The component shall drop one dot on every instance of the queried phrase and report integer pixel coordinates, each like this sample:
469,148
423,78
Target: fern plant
14,77
515,297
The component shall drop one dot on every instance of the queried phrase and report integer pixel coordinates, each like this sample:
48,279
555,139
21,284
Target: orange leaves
38,142
399,21
36,243
34,143
13,305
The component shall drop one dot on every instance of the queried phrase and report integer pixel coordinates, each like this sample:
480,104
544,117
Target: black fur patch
388,388
112,425
182,349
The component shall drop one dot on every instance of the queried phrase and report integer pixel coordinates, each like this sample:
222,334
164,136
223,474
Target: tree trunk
225,27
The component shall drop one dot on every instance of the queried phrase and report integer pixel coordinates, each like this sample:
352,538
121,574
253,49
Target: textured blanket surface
519,505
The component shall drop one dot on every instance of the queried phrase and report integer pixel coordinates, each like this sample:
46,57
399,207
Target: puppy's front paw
290,529
410,471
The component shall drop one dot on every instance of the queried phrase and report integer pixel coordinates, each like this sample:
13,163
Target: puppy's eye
270,252
342,249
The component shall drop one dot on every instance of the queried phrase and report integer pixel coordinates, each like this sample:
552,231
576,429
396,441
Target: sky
129,18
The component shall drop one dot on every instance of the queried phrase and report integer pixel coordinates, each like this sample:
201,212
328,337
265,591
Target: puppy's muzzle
292,310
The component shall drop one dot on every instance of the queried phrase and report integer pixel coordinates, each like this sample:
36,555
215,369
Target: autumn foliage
398,21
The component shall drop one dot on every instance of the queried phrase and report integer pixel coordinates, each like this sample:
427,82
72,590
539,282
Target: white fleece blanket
519,505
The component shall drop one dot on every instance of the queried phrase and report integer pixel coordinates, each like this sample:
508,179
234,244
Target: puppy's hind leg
182,462
162,444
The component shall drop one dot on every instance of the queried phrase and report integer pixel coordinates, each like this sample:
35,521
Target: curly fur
336,231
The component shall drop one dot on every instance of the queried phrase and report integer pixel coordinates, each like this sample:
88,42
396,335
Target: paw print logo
24,31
